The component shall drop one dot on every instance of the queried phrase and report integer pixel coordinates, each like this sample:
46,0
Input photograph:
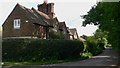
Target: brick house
25,22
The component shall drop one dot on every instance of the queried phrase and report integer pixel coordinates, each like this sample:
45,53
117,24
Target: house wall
40,31
26,28
76,36
63,30
65,33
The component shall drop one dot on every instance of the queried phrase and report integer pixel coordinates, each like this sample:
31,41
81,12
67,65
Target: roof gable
62,25
73,31
14,9
35,16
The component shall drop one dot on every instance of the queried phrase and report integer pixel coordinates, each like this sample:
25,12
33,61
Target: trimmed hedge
40,50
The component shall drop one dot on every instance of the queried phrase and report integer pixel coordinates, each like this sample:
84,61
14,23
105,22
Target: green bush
56,35
93,46
40,50
86,55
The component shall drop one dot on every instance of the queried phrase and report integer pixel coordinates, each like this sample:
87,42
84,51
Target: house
73,34
25,22
63,30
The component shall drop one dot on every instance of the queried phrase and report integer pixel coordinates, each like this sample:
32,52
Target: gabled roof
53,21
56,19
62,25
37,17
73,31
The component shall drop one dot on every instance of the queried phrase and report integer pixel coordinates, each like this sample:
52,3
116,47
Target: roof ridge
23,7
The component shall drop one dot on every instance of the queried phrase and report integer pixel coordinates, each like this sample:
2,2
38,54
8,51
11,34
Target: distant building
73,34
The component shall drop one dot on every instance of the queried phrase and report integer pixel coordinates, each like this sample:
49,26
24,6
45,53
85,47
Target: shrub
93,46
86,55
40,50
56,35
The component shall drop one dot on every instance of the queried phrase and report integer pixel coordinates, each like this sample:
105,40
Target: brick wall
26,27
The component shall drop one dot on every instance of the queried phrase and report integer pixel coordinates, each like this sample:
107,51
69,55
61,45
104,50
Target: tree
106,16
101,37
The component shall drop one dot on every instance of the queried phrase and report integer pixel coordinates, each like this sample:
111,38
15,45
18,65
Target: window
16,23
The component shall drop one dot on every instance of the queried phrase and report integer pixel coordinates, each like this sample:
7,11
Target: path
107,58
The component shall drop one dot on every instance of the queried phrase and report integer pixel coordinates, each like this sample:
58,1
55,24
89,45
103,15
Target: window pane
16,23
19,22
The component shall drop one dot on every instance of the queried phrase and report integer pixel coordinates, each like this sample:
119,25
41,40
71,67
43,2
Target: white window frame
17,23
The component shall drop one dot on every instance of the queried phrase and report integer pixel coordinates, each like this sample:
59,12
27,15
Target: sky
65,10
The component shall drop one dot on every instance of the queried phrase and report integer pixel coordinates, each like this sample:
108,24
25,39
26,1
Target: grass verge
43,62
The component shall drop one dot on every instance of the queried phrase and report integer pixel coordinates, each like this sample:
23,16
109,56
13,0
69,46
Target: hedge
40,50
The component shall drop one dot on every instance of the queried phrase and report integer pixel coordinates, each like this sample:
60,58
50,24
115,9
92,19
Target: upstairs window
17,23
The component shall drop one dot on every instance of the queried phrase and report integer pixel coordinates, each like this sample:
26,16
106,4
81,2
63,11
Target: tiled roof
41,13
36,16
53,21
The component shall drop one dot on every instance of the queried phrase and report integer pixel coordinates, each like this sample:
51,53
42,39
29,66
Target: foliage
34,50
106,16
101,37
56,35
86,55
93,46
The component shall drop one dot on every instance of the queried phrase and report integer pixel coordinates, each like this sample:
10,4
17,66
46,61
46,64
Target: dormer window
17,23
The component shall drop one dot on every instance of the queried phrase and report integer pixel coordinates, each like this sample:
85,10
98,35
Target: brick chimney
47,8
